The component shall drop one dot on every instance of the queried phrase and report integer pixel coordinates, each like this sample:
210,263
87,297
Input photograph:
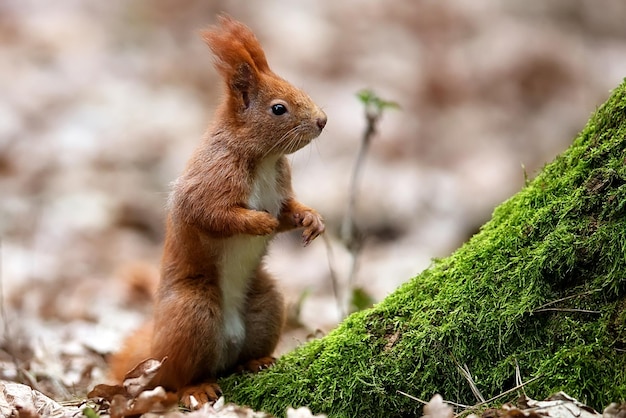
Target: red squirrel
216,308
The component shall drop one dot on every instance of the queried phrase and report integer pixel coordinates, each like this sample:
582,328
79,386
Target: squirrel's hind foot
193,397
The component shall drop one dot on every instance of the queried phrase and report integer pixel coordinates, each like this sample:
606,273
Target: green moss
541,286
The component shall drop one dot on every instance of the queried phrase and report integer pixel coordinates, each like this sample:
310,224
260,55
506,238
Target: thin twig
468,376
354,265
458,405
506,392
6,334
334,278
8,342
411,397
26,376
349,234
588,292
567,310
518,374
478,405
3,312
467,408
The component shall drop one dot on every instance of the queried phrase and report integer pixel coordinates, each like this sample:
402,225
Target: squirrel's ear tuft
243,83
234,45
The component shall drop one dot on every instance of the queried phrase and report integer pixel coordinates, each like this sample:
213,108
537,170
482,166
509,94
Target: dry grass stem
506,392
567,310
545,305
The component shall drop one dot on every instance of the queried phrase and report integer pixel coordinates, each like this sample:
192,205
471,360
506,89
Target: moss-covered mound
542,286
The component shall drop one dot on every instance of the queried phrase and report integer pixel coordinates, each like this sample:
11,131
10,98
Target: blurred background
101,104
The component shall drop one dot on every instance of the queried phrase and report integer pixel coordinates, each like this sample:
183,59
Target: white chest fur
264,193
242,255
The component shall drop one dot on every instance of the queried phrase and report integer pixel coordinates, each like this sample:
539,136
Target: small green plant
356,298
90,413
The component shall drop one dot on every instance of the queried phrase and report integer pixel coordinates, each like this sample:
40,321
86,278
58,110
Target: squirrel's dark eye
279,109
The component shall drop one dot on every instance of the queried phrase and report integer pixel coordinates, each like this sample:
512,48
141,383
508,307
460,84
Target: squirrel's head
275,116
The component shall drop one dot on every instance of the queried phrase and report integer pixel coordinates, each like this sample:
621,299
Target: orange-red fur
216,308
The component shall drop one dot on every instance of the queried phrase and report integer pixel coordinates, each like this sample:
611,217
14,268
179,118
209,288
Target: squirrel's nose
321,122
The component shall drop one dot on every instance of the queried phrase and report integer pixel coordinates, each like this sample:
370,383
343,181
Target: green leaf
90,413
369,98
360,299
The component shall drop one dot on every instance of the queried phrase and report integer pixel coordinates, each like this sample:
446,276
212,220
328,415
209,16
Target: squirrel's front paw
255,365
313,224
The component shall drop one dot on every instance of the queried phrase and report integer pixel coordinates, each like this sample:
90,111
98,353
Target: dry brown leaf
26,411
615,410
302,412
131,398
119,406
516,413
217,410
107,391
139,378
155,400
437,408
561,405
23,401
